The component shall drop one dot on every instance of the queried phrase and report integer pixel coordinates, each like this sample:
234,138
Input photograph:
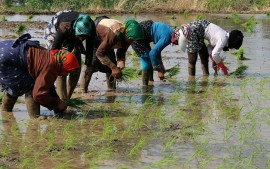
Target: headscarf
186,29
133,30
235,39
65,60
175,36
83,25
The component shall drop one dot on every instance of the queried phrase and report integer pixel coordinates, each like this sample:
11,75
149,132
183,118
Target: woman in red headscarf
26,68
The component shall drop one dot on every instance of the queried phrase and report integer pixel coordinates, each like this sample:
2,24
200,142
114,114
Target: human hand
121,64
161,75
116,72
62,106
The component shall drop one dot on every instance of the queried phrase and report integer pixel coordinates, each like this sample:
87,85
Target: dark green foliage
76,102
240,70
20,29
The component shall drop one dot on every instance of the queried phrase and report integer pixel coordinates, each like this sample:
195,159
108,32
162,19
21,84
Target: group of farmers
30,69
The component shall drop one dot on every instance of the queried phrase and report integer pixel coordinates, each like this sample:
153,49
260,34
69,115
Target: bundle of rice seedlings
240,70
169,73
76,102
128,74
173,71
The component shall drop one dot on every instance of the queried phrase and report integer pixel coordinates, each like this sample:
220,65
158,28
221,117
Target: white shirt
218,39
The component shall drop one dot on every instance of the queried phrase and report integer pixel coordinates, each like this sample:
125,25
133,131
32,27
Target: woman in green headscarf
68,29
113,34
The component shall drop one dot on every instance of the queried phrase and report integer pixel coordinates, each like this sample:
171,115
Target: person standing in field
113,34
68,29
160,34
219,40
26,68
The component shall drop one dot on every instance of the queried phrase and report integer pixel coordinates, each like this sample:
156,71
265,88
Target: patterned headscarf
83,25
175,36
65,60
185,30
133,30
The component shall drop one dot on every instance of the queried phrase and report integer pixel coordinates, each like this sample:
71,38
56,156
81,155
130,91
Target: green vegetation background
131,6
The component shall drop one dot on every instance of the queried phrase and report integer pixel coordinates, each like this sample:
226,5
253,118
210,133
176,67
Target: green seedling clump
29,17
186,14
3,18
129,73
235,18
199,16
240,70
240,54
173,71
249,24
20,29
75,102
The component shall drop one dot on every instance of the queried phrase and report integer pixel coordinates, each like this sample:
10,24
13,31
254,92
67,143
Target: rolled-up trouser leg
111,82
8,102
146,69
203,53
192,59
86,78
61,87
145,77
33,107
151,75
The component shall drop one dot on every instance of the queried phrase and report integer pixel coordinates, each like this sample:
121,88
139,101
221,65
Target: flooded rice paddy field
201,122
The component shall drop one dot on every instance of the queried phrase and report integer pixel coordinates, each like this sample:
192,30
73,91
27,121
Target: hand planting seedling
128,74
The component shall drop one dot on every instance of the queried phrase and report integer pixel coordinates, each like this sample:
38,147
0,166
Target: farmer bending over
26,68
219,40
113,34
160,34
68,29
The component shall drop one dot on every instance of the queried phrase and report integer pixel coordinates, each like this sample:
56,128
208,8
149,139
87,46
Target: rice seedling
199,16
128,74
1,97
169,142
3,18
5,150
29,17
267,13
20,29
240,70
235,18
136,148
164,162
186,14
240,54
173,71
249,24
76,102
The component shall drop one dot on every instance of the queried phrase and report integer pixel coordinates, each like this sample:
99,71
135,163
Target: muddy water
186,123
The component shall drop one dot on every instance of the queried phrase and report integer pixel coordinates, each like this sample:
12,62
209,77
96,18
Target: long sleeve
43,70
162,37
108,40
